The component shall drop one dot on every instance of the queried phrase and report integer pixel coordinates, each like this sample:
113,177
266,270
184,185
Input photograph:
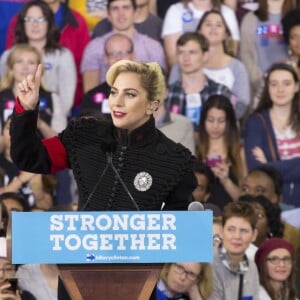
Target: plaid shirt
176,100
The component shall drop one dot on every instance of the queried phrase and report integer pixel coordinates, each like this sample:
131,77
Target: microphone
195,206
109,156
95,187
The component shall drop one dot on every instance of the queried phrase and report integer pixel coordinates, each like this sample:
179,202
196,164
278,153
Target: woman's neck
235,260
275,6
141,14
217,147
39,45
217,57
202,5
277,286
280,117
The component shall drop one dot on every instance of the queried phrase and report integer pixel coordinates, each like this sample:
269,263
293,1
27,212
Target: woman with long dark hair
272,133
221,65
219,146
184,16
275,263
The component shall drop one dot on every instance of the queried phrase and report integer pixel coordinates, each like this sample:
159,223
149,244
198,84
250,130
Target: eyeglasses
31,20
179,269
118,54
275,260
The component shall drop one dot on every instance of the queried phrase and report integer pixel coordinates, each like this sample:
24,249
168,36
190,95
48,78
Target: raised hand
28,89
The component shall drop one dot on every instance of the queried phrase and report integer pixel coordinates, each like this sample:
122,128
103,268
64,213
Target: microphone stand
110,163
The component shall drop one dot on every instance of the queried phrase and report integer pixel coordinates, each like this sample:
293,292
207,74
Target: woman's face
36,25
182,276
215,123
237,235
294,40
213,29
282,88
128,102
25,64
262,223
279,265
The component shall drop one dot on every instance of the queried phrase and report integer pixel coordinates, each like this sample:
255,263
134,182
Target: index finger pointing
38,73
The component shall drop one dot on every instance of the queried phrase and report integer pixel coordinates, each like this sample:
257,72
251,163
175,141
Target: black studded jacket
156,171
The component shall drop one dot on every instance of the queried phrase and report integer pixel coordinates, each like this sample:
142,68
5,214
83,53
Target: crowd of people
200,96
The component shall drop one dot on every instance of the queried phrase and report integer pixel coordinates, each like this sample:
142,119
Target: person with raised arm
126,164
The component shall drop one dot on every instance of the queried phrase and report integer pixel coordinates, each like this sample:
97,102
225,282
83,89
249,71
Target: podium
115,281
110,255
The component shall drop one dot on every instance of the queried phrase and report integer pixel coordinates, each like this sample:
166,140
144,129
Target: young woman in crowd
22,60
272,133
221,65
261,39
275,263
184,16
219,146
189,281
35,26
9,288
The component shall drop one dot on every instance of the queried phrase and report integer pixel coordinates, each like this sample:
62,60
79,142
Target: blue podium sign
111,237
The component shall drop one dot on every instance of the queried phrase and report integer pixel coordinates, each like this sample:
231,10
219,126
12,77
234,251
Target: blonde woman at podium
126,164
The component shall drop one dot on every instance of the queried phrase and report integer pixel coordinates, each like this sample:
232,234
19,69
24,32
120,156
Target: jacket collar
138,137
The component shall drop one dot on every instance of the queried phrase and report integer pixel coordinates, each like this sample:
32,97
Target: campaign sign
111,237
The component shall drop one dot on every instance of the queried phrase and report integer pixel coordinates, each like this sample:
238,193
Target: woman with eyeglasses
9,287
183,281
274,260
35,26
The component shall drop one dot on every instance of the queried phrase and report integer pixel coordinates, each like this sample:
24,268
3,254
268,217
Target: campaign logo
90,257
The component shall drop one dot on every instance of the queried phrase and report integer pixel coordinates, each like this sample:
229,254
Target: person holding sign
126,164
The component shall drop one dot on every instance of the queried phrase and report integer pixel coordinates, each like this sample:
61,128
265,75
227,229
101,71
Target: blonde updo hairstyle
151,75
8,79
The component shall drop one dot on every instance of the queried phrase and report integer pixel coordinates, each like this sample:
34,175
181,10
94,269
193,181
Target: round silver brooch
142,181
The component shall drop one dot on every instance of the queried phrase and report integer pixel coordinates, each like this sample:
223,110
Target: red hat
270,245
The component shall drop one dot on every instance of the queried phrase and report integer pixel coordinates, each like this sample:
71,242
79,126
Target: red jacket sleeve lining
57,154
